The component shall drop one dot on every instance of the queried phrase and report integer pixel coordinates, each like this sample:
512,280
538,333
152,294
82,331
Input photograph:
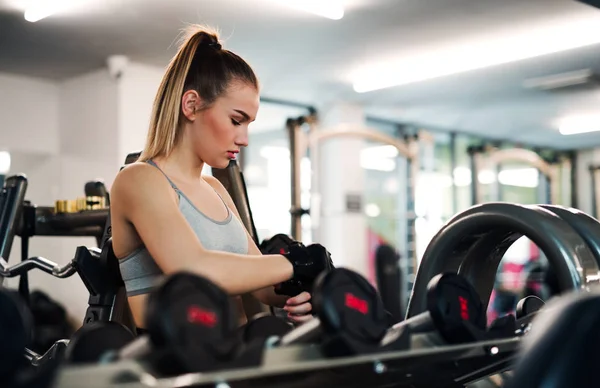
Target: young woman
166,217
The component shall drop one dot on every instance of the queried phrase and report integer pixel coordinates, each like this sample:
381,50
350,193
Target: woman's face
220,131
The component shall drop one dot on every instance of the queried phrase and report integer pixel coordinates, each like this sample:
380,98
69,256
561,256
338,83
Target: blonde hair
202,65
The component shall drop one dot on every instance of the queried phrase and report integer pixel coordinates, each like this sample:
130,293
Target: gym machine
349,344
345,345
594,183
232,179
561,348
474,241
492,158
305,138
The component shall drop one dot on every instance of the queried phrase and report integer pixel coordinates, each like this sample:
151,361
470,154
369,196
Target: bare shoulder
138,179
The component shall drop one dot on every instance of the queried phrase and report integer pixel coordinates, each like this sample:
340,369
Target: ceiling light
35,14
573,125
561,80
471,55
39,9
331,9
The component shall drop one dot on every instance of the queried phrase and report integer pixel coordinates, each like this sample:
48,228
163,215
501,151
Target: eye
235,122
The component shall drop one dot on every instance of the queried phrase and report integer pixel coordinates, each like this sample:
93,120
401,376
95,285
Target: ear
190,104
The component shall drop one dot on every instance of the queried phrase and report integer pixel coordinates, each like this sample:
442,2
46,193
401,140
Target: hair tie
214,45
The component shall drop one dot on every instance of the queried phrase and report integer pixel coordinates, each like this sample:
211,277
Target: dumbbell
193,327
92,340
454,310
349,318
281,243
511,325
16,333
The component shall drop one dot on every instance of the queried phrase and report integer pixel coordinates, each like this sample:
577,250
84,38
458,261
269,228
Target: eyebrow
246,116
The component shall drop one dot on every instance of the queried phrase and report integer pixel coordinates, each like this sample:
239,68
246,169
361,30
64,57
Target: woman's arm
144,198
265,295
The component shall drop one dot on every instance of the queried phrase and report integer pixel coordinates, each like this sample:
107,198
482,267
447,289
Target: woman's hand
299,308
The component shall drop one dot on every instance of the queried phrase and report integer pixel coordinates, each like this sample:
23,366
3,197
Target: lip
232,154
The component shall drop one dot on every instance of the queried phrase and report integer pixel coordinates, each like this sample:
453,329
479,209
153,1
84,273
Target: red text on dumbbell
464,308
198,315
356,303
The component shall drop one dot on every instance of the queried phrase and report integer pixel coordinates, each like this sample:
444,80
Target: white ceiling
308,59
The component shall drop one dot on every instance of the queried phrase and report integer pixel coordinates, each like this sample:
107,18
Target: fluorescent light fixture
574,125
331,9
561,80
520,177
36,10
40,9
534,41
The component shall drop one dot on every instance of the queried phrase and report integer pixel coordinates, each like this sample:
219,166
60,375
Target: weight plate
346,303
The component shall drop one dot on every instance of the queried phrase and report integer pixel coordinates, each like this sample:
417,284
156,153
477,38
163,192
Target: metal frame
593,169
494,158
304,365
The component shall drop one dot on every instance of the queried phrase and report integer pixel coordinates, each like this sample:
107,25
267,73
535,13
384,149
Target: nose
242,138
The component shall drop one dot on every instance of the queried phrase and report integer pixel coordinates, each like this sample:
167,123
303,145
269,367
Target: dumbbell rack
304,366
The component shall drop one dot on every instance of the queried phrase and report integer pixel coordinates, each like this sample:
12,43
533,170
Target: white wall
81,130
29,112
137,89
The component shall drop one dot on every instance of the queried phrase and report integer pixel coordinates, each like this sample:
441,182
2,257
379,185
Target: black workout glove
308,262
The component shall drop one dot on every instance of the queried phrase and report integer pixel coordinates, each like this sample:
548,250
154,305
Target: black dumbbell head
528,305
95,339
347,303
455,307
277,244
194,320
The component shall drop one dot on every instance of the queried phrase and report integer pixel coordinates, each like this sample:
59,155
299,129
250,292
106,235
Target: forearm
268,296
239,274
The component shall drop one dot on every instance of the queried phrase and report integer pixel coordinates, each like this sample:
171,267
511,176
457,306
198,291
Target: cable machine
492,158
305,138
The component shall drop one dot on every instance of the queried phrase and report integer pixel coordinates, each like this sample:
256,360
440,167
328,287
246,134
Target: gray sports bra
141,273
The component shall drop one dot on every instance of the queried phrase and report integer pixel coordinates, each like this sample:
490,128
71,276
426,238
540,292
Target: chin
219,164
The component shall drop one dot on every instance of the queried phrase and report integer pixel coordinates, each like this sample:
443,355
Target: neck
182,163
